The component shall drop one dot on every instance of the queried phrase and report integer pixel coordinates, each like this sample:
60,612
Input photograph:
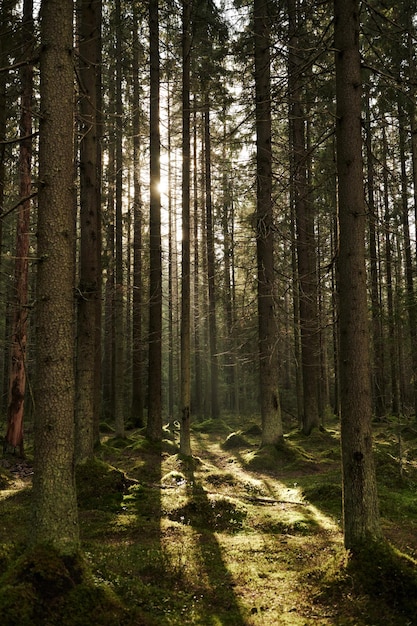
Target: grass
237,535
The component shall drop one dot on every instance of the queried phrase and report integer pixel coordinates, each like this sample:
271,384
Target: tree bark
89,286
119,331
137,345
17,373
214,366
409,269
392,335
154,423
360,502
185,441
55,519
378,367
306,257
267,328
198,370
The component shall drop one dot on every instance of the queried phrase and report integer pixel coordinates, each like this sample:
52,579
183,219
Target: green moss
280,457
45,588
235,440
211,426
325,495
385,573
99,485
213,513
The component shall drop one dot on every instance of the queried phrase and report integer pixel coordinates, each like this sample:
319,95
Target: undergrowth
239,534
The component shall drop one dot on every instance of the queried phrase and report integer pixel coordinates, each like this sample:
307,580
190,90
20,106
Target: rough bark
214,366
17,373
55,520
154,423
378,361
198,375
185,442
89,285
119,326
392,335
409,268
360,502
137,347
267,328
306,257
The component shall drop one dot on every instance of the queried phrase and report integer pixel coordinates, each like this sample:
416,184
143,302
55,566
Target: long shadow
320,490
220,600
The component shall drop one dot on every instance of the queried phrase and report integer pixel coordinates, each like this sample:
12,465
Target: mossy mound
253,430
5,479
279,457
235,440
326,496
211,426
388,466
100,486
43,588
213,513
383,572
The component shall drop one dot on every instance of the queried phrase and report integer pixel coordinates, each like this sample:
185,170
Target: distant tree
267,327
360,501
304,214
185,444
89,285
211,272
118,306
17,374
55,519
154,423
137,300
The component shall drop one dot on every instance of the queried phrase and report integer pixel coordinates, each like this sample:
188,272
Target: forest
208,312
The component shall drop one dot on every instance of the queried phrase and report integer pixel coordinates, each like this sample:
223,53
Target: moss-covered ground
236,535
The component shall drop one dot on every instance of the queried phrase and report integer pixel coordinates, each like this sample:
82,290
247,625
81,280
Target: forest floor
237,536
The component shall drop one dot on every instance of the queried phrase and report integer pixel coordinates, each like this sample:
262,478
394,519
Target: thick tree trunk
55,519
360,502
267,328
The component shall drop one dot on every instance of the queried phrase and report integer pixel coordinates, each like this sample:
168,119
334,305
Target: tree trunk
198,375
154,424
137,348
17,373
378,375
214,367
409,269
119,331
89,286
307,278
5,43
55,519
268,390
185,443
360,502
395,387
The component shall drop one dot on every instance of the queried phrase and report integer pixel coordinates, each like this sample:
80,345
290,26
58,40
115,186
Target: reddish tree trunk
17,374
